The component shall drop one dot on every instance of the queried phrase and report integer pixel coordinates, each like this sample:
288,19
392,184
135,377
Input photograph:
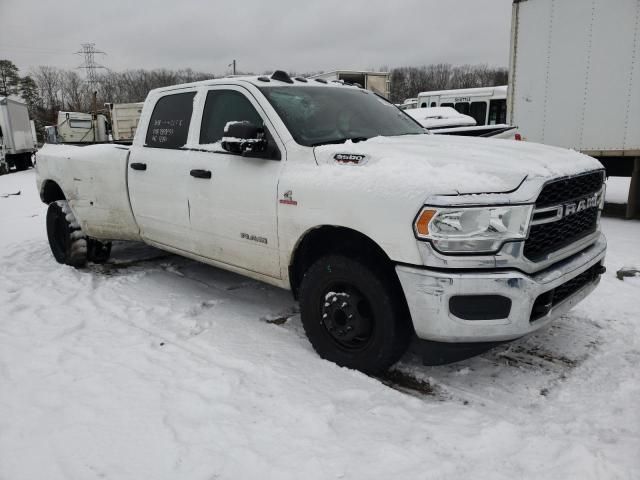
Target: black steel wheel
353,314
347,315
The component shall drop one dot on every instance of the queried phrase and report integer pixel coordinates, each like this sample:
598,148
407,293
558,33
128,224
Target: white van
488,105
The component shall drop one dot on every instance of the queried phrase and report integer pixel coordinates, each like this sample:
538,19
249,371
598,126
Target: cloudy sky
294,35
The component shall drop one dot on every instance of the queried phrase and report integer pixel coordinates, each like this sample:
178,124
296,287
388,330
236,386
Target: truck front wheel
353,315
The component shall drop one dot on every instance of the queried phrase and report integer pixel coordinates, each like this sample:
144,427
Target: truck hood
449,165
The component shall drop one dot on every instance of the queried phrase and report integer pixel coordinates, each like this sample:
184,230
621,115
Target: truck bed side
94,182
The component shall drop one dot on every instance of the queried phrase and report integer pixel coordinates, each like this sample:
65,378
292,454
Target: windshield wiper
340,140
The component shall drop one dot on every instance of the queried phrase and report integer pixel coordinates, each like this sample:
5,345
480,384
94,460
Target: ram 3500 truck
381,230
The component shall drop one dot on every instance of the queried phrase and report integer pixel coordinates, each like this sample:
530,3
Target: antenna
90,66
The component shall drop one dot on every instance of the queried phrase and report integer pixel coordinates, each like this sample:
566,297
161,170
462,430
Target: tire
68,243
98,252
21,163
354,315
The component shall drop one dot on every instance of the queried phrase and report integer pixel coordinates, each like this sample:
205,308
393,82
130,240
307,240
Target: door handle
200,173
139,166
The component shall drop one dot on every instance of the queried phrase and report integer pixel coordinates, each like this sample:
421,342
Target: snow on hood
450,164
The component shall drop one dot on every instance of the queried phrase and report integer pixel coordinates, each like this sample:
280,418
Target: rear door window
169,125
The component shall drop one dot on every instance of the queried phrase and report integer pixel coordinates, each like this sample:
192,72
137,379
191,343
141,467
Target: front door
233,206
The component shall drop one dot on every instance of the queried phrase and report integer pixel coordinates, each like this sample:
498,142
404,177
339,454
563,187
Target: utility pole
94,117
90,66
233,65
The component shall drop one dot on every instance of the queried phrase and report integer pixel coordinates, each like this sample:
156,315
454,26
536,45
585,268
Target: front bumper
428,294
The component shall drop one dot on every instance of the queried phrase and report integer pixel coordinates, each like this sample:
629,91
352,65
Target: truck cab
79,127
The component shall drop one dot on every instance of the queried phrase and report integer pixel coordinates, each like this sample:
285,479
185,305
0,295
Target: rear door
234,208
158,172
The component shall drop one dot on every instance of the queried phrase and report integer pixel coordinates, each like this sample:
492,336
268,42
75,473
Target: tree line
48,90
407,82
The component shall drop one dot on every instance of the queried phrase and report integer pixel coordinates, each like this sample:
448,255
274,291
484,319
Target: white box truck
574,80
16,137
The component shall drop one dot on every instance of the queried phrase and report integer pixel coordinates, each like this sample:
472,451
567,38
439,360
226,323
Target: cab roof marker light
281,76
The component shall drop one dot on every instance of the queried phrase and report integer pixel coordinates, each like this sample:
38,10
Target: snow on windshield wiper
340,140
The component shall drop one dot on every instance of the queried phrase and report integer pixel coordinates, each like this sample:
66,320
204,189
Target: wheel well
329,239
51,192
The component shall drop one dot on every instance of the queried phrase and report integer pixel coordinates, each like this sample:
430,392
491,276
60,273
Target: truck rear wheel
352,314
98,252
68,243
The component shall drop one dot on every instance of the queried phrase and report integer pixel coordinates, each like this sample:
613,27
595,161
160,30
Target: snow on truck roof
433,117
278,78
358,72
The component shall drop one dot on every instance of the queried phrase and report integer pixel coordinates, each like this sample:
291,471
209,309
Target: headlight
472,229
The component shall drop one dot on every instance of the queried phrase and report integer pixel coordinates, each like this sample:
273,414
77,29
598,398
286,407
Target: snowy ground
157,367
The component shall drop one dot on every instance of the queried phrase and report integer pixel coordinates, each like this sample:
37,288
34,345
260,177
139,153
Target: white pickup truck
381,230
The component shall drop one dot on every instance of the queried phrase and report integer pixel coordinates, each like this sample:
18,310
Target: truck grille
567,189
546,238
545,302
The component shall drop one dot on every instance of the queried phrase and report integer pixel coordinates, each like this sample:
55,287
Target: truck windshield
317,116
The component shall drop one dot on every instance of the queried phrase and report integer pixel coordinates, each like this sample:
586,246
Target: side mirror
244,138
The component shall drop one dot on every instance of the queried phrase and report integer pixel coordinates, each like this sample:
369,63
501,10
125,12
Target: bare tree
407,82
75,91
49,84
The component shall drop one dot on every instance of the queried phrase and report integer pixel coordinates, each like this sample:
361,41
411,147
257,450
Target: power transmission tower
90,66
